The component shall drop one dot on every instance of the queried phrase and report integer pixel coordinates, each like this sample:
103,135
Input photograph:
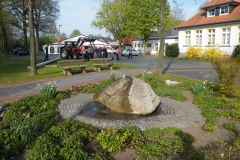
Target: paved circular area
174,113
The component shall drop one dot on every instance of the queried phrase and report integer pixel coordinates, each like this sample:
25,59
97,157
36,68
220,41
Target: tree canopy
75,33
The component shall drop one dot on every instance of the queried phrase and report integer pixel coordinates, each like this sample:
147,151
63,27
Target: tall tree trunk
25,33
145,47
33,70
162,38
37,41
4,37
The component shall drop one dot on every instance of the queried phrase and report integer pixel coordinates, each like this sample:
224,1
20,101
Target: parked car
20,51
133,51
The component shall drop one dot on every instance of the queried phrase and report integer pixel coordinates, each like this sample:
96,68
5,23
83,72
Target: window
224,10
199,37
142,45
135,45
211,36
138,45
226,36
156,47
188,37
238,35
52,49
211,12
149,44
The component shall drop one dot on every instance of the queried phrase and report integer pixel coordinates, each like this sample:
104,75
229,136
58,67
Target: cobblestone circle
175,114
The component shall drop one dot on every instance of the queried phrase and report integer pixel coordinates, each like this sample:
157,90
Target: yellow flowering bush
193,52
211,54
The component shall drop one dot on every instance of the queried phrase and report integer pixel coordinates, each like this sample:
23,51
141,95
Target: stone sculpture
128,95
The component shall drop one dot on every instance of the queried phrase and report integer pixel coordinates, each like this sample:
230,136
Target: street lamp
59,38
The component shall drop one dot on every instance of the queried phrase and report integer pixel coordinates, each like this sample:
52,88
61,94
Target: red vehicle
73,49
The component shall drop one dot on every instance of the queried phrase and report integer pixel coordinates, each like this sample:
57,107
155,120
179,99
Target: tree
19,10
4,26
146,18
74,33
162,38
45,15
113,16
63,36
176,17
33,69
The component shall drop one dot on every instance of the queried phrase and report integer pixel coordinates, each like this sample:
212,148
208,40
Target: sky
79,14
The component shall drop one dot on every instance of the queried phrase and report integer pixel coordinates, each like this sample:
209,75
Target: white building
153,44
217,24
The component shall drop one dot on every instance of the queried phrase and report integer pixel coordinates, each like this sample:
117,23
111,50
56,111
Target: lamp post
59,38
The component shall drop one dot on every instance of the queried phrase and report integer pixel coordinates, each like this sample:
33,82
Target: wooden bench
70,66
98,63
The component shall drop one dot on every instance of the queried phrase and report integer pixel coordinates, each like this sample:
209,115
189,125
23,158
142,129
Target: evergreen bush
172,50
236,51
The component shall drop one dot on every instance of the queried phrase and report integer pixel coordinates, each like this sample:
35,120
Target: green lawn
14,71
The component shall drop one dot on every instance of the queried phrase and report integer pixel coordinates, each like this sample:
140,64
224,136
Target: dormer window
211,12
224,10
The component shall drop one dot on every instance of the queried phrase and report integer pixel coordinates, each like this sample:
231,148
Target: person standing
104,52
83,50
99,52
117,53
46,53
90,52
129,54
112,53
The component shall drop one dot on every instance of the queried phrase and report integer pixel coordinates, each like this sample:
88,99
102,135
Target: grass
61,136
14,71
4,55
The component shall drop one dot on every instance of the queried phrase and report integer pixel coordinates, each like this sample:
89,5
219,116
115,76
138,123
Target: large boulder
128,95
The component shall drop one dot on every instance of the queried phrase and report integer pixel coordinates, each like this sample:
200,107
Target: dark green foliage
236,52
172,50
68,127
9,146
44,148
62,95
168,143
134,136
40,109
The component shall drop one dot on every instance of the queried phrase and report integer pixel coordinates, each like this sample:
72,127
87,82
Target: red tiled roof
217,2
200,18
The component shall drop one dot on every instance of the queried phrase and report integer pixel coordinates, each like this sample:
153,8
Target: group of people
101,52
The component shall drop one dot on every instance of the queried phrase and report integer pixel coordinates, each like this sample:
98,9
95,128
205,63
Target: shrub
48,89
195,53
114,75
147,76
236,52
228,71
111,140
44,148
211,54
200,88
172,50
62,95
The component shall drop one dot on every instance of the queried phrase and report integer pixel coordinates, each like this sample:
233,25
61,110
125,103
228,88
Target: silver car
133,51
